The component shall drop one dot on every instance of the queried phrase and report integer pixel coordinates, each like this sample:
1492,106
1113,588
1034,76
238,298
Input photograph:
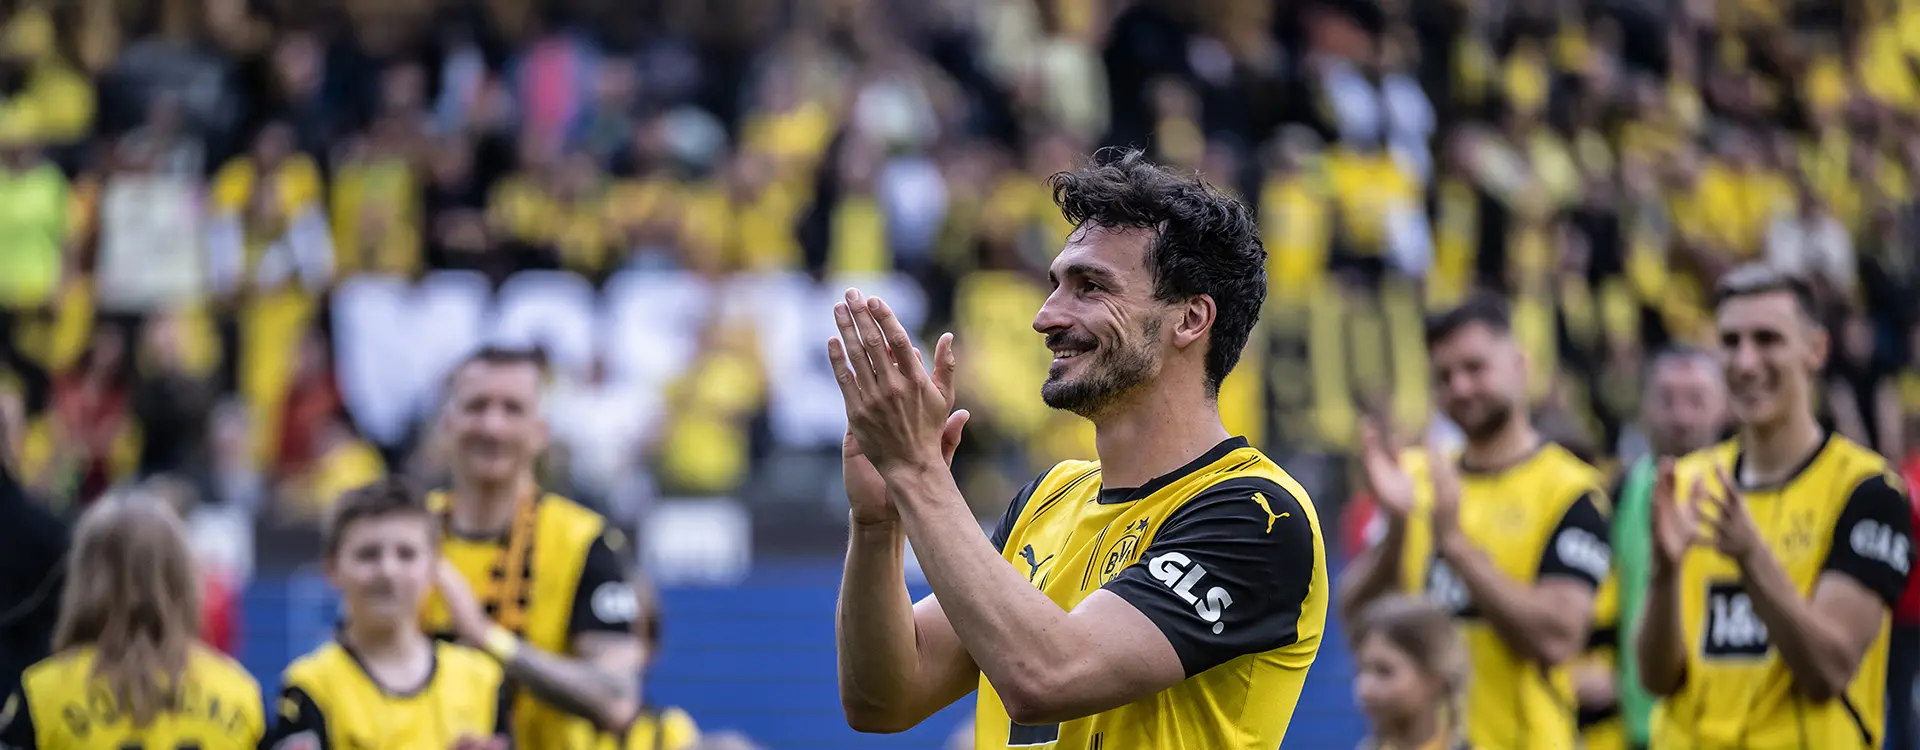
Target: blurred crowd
189,189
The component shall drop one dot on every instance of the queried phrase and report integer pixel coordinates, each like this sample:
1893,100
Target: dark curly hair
1205,241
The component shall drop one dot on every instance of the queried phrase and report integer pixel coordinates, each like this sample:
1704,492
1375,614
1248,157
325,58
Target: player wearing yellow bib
1510,535
382,681
1171,595
533,578
128,670
1777,556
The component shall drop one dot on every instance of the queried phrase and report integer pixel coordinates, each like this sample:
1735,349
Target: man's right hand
1676,525
1392,487
866,490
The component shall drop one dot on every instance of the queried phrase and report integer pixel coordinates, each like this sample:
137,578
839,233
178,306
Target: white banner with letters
395,340
151,254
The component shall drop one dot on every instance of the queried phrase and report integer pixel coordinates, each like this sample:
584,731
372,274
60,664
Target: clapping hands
898,415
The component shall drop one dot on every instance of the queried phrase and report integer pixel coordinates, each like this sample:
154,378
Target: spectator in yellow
34,208
56,103
268,223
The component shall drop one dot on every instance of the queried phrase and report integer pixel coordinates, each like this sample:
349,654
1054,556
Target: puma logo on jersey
1033,567
1877,541
1261,500
1181,574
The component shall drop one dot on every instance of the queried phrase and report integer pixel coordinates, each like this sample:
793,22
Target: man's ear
1196,320
1819,346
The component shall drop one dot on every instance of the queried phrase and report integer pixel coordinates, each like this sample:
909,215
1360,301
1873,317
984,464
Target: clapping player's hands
1445,478
1676,525
897,415
1731,524
1391,485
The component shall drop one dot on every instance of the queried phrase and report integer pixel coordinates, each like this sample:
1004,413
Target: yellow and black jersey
1843,513
1601,727
1543,516
656,729
61,705
556,574
328,701
1225,555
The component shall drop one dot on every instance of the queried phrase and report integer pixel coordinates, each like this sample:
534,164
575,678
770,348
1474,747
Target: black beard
1114,371
1487,428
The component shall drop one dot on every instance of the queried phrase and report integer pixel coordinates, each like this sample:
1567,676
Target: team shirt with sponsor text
1224,555
1843,513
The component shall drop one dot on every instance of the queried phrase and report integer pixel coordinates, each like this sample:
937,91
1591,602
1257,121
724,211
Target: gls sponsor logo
1445,589
1733,629
1180,573
614,602
1877,541
1583,551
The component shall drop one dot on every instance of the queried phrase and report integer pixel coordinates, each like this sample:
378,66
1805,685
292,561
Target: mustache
1070,340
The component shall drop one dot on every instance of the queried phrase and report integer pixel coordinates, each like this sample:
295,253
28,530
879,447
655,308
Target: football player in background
1510,535
539,580
382,681
129,669
1777,554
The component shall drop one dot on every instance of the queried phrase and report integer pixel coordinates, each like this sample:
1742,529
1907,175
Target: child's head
380,544
1410,660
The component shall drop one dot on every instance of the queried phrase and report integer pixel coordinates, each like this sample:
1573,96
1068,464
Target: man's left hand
894,408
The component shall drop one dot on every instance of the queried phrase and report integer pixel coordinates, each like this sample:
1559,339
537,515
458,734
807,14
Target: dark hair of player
1755,279
1205,242
133,594
1480,309
386,498
501,356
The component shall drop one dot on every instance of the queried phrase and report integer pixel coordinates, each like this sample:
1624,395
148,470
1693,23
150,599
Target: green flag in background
1632,558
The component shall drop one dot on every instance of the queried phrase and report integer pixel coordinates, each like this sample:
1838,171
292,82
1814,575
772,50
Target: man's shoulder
572,518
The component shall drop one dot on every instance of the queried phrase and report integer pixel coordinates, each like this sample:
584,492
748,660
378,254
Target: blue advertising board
756,657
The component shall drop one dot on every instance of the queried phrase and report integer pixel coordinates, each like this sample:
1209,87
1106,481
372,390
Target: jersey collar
1118,495
1739,456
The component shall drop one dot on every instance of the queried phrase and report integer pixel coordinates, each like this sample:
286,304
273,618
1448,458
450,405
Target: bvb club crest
1122,552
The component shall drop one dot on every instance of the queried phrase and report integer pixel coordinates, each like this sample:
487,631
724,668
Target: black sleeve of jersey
604,601
297,723
1873,540
503,711
1227,574
1581,546
1005,528
16,724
